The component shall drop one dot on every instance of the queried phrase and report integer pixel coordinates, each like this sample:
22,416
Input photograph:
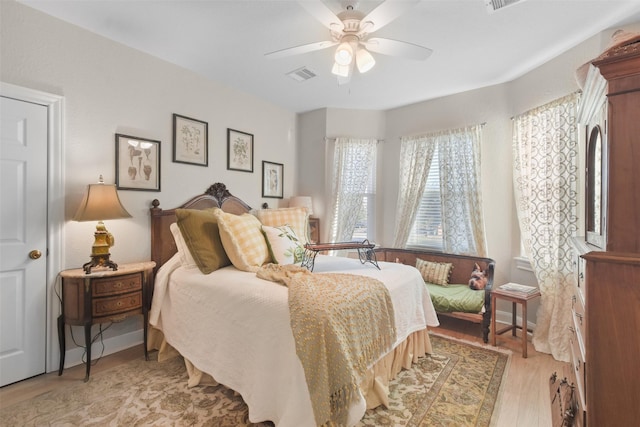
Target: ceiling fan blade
322,13
305,48
397,48
387,12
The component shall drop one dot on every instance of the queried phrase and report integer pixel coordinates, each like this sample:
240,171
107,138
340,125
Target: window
439,200
427,227
353,189
365,224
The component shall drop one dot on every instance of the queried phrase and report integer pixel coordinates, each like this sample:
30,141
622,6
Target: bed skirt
374,387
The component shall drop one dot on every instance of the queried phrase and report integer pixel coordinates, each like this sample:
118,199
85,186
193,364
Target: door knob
35,254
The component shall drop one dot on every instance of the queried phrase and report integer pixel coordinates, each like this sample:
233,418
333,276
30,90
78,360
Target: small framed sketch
137,163
239,151
190,141
314,230
272,179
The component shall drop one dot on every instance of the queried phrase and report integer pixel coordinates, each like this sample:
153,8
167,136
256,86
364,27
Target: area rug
458,385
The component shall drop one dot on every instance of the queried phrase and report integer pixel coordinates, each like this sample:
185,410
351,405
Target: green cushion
200,231
447,299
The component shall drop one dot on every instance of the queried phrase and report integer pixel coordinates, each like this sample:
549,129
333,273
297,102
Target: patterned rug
457,386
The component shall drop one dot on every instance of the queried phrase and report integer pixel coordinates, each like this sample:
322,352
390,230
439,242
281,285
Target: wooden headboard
163,247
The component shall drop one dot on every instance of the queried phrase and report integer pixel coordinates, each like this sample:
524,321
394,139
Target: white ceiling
226,40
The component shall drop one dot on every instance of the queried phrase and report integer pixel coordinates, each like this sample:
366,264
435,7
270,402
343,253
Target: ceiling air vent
494,5
301,74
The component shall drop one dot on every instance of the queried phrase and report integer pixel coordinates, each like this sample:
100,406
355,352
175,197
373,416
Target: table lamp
101,202
302,201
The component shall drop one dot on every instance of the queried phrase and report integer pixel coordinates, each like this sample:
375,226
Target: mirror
594,190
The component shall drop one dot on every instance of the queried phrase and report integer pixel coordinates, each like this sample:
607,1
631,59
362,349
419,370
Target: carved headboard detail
163,247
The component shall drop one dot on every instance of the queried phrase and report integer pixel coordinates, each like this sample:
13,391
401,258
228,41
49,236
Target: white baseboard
506,317
112,345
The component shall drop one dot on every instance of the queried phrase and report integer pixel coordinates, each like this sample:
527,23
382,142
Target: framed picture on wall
239,151
272,179
314,230
137,163
190,141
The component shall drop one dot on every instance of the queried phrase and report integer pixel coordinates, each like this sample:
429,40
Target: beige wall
110,88
495,106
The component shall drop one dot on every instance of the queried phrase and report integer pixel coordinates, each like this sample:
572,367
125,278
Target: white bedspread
235,327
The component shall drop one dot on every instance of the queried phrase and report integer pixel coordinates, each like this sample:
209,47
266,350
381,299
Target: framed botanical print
314,230
137,163
190,141
272,179
239,151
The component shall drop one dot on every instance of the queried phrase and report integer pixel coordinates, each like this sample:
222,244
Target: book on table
516,287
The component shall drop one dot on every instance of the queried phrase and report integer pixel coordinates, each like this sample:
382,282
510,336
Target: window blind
427,226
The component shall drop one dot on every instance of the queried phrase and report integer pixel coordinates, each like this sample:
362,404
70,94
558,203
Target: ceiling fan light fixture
340,70
344,54
364,60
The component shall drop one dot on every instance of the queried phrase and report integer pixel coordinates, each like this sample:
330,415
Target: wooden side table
103,296
515,298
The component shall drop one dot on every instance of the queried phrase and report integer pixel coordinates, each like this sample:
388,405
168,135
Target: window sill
523,263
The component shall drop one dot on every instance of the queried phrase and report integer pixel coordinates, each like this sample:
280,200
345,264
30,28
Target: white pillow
284,245
186,259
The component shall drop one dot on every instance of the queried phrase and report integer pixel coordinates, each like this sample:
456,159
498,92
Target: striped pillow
434,272
243,240
296,218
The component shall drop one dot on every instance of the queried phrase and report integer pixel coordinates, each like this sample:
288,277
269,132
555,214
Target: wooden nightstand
103,296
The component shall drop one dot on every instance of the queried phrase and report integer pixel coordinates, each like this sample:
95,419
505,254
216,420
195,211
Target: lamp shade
340,70
344,54
302,201
100,202
364,60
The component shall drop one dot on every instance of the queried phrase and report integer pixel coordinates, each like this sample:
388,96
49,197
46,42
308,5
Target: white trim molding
523,263
55,203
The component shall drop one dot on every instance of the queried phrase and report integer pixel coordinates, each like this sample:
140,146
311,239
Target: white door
23,239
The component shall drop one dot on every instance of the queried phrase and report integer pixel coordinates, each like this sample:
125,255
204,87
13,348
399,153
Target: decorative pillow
284,246
478,279
297,218
434,272
199,228
242,240
186,259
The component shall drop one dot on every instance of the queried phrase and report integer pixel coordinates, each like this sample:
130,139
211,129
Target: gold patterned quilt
342,324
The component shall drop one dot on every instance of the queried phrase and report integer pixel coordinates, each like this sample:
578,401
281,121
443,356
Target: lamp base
99,261
100,249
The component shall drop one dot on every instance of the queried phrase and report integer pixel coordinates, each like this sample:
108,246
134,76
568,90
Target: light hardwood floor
524,399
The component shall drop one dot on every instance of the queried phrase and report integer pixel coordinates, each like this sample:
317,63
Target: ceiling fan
351,31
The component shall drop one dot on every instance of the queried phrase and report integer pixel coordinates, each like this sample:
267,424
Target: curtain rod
548,104
442,132
327,139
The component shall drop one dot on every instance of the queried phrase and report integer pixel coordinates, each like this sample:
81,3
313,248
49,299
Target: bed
235,328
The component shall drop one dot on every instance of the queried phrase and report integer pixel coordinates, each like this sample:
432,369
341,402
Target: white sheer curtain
415,160
353,165
545,154
460,187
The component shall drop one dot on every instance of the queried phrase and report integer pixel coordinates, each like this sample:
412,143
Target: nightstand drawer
121,304
116,285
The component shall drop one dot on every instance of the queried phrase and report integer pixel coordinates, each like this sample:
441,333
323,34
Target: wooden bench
463,265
